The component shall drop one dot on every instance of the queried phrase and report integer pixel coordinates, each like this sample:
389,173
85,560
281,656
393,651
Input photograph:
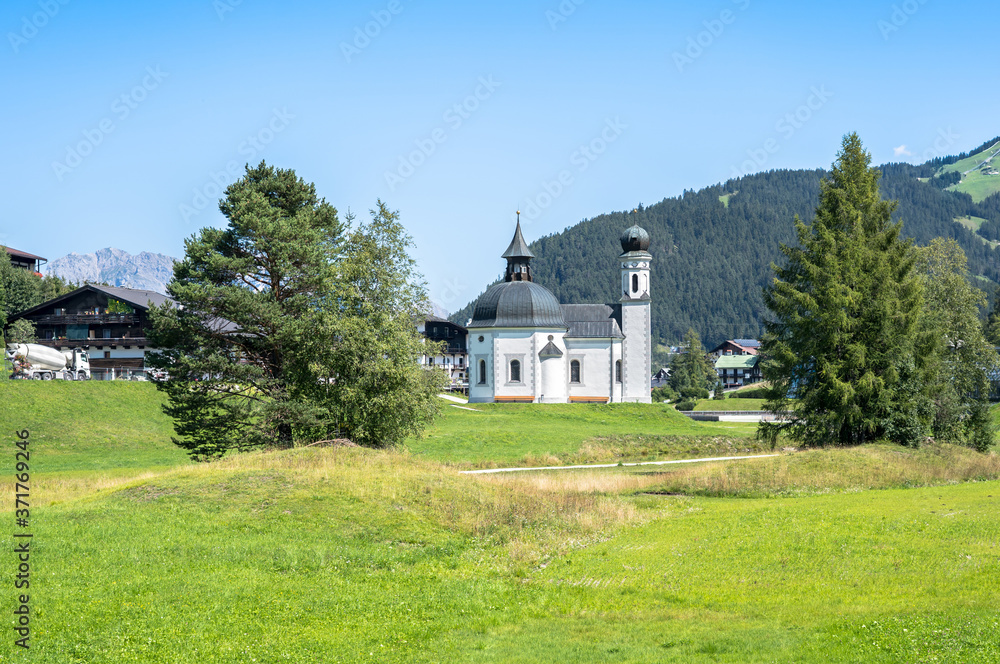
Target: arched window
618,371
635,283
574,371
482,372
515,371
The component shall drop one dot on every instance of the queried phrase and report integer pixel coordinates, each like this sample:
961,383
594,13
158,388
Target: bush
694,393
661,394
685,405
752,393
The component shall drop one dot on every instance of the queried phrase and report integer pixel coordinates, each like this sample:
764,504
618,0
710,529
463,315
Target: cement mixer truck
43,363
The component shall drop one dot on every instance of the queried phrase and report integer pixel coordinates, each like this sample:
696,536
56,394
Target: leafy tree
380,394
259,351
957,370
846,307
21,331
692,372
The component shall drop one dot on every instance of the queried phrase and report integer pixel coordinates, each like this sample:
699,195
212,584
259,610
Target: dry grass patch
881,466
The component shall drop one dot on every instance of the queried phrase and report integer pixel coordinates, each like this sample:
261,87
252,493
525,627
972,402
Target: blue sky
123,120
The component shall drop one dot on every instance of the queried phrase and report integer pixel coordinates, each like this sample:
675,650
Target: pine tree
287,329
843,338
691,373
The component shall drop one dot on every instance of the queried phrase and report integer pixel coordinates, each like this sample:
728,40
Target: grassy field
977,184
874,554
730,404
536,434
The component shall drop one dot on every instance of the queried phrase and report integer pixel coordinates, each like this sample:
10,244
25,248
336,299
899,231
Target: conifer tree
846,305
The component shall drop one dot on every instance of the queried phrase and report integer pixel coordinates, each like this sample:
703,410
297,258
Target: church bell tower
637,347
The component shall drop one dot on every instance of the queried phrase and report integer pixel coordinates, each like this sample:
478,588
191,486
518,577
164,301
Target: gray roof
518,248
133,296
517,304
598,321
550,350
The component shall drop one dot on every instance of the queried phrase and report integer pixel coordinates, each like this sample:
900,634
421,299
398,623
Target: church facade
524,346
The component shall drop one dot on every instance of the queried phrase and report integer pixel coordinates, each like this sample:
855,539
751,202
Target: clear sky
122,121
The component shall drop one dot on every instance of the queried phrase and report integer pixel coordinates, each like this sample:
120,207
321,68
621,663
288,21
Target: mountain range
115,267
713,248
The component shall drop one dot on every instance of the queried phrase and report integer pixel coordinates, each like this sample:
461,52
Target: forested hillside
711,259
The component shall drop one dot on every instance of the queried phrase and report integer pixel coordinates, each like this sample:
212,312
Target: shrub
752,393
685,405
665,393
694,393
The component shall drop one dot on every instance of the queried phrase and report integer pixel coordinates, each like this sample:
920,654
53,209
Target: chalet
111,321
454,356
738,370
26,261
736,347
661,377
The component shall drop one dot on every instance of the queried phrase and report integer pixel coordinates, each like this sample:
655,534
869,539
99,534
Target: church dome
517,304
635,238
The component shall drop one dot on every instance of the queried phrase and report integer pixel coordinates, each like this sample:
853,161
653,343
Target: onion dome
635,238
517,304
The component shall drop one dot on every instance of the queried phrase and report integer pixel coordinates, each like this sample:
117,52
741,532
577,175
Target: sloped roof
737,361
747,343
133,296
24,254
593,321
518,248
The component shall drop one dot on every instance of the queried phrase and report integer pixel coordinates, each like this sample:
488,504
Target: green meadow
874,554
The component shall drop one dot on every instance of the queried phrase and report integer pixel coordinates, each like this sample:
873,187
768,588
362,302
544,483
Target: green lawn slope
871,554
357,556
549,434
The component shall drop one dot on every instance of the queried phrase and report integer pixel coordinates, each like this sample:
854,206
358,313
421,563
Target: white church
526,347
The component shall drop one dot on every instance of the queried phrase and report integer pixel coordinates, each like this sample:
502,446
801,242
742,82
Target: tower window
574,371
635,283
482,372
515,371
618,371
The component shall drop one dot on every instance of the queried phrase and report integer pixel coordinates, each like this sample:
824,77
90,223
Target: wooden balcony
86,319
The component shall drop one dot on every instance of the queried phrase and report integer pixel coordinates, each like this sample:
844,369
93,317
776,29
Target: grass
972,223
730,404
874,554
975,183
351,555
93,425
548,434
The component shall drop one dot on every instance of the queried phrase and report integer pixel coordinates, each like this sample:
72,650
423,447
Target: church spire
518,256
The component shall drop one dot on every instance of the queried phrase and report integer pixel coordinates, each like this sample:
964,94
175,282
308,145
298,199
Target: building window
635,283
515,371
482,372
618,371
574,371
107,355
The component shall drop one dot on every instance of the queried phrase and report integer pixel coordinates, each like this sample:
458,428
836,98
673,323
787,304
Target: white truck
39,362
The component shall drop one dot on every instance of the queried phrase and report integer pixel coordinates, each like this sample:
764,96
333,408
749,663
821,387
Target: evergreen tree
991,328
692,373
846,306
267,305
719,393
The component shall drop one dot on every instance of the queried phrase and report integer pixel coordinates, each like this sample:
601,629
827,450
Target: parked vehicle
37,362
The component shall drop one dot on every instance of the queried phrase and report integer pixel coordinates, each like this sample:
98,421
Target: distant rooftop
747,343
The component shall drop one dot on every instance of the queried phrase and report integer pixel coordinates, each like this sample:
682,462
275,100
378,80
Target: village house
26,261
454,356
111,321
